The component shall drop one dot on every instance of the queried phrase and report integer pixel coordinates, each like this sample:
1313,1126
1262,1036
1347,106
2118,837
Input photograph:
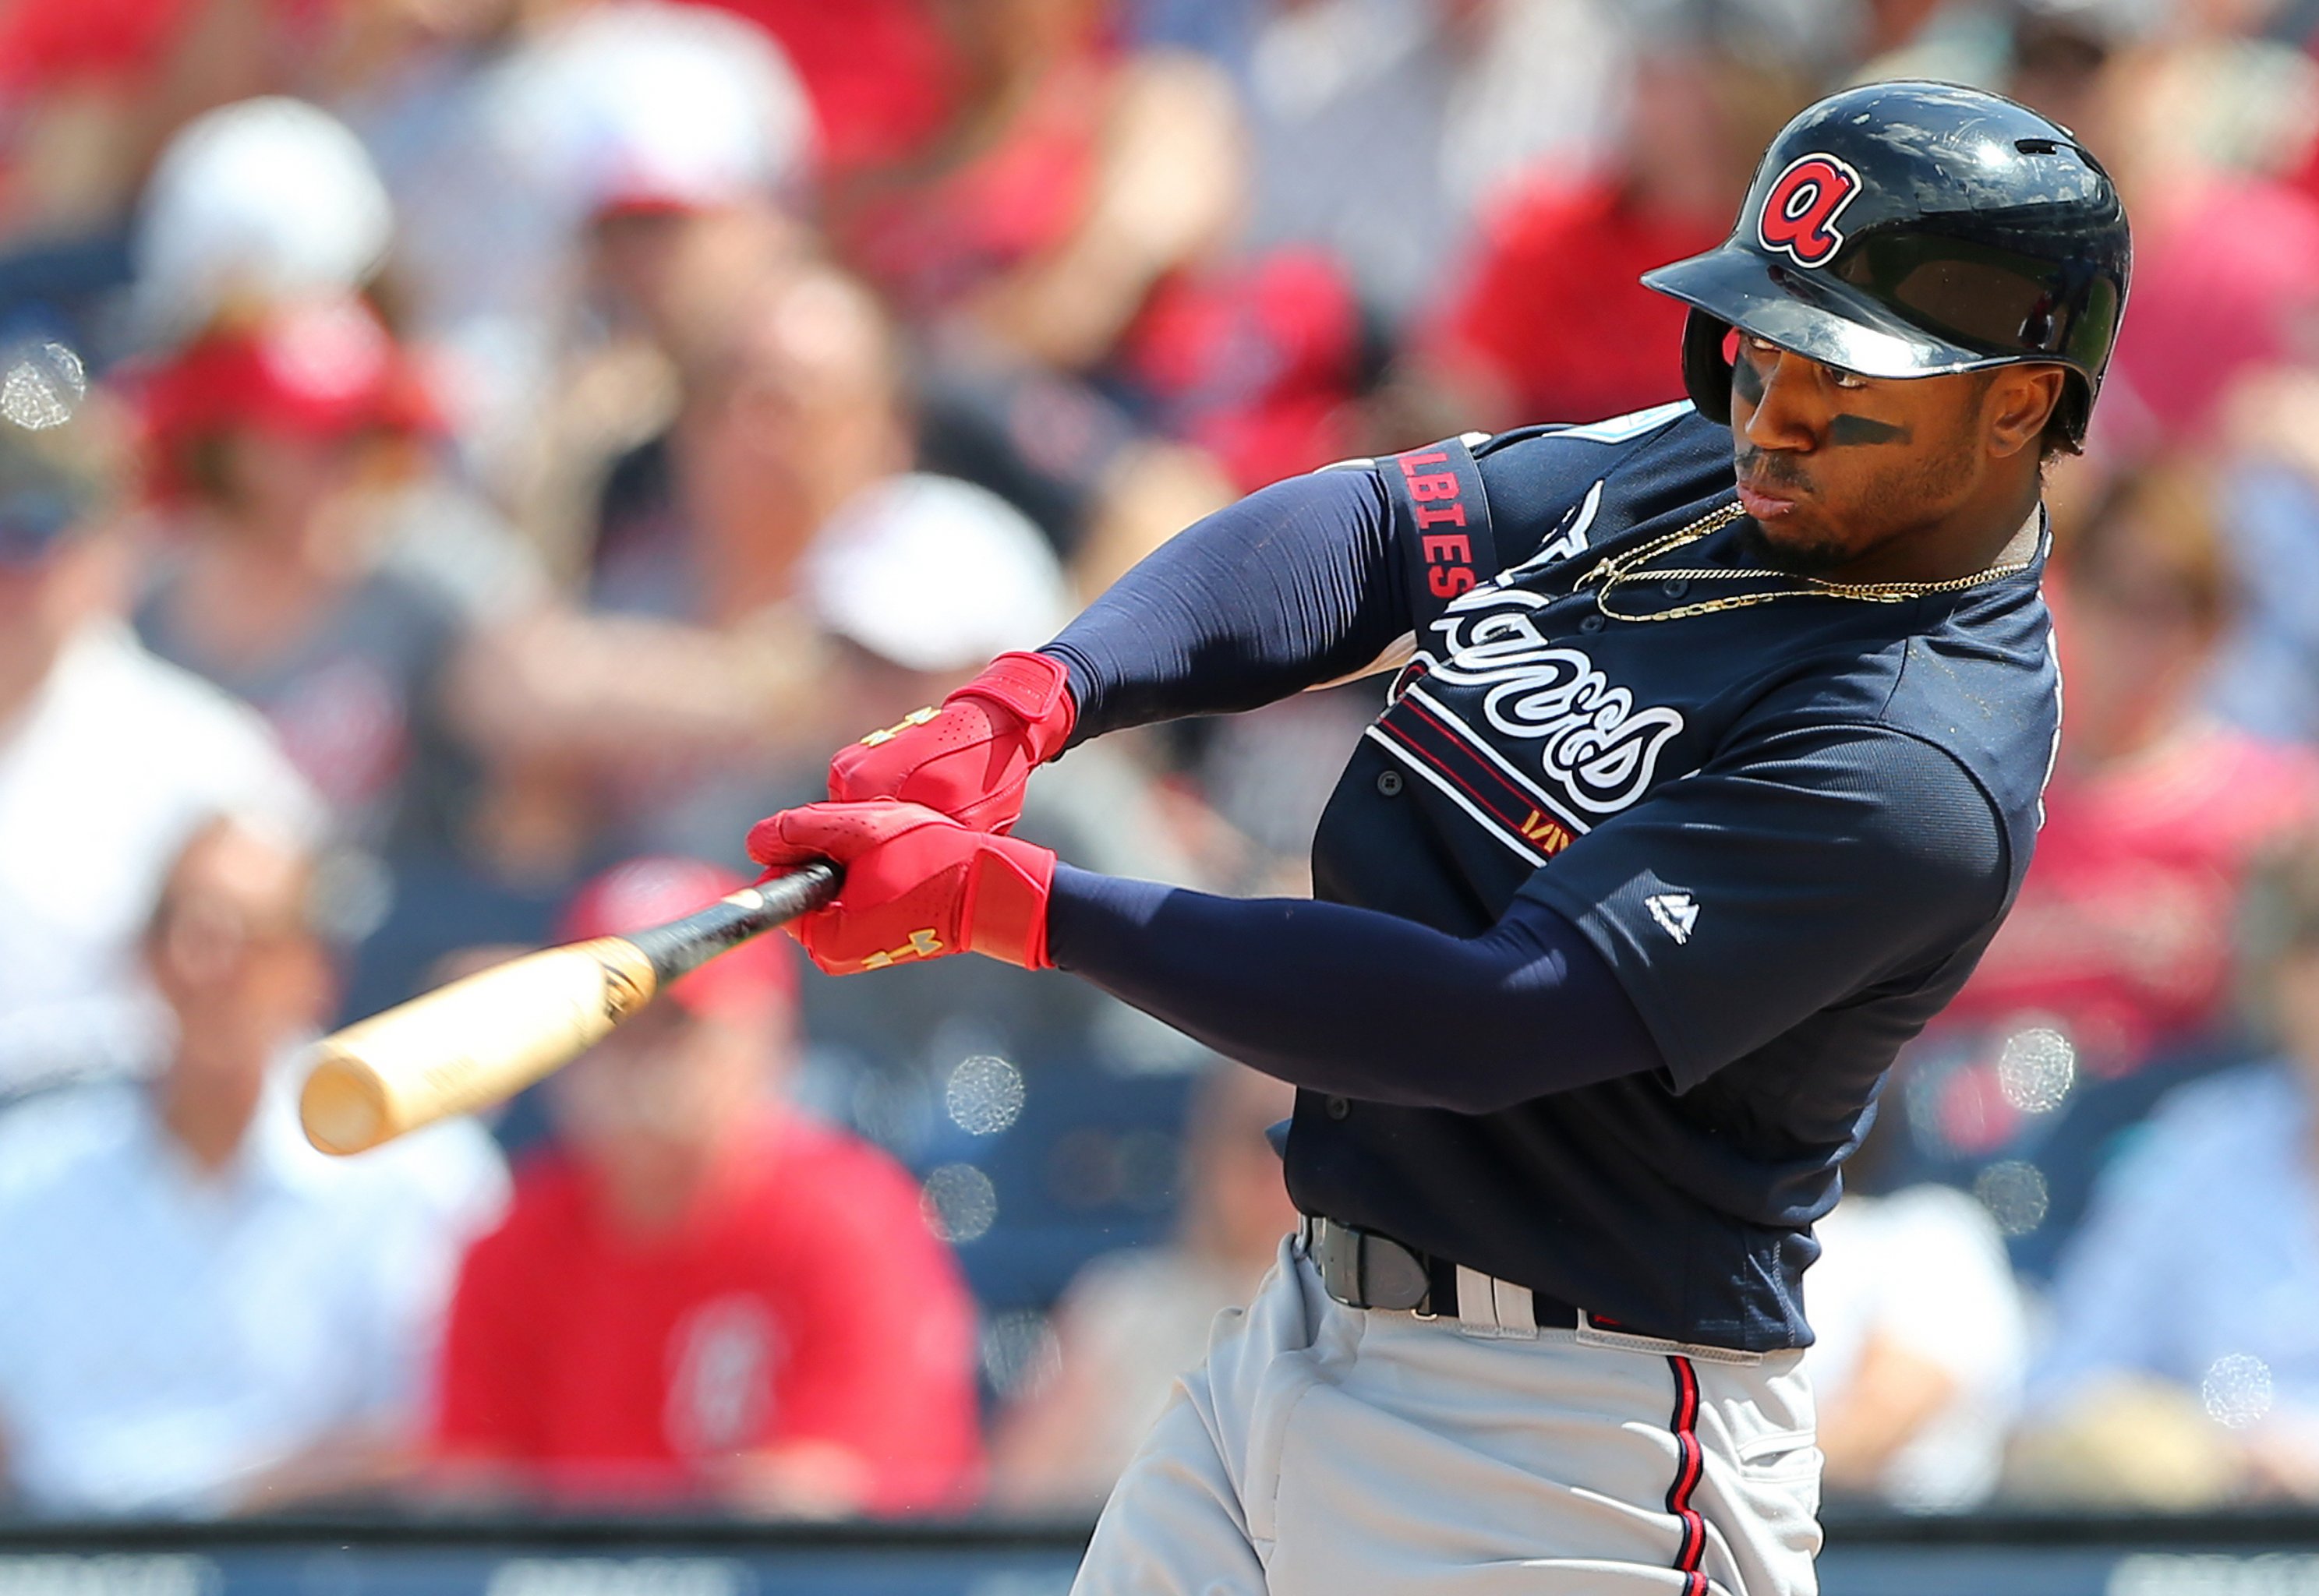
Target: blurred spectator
1131,1323
1549,322
2110,982
93,89
1922,1343
109,759
205,1313
1946,41
2196,1271
1071,182
1381,126
2267,677
2156,811
546,162
695,665
1068,181
793,402
2199,120
276,447
701,1294
880,73
252,205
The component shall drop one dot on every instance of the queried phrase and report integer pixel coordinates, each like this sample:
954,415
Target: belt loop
1478,1309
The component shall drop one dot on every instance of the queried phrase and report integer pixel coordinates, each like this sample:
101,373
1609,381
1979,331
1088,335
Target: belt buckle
1363,1269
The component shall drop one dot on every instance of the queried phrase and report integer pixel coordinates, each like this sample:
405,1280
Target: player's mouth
1766,504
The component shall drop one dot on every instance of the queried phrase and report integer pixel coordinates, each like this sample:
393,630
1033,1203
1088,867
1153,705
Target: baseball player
1717,763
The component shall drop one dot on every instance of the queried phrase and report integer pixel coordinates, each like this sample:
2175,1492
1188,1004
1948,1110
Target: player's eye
1845,379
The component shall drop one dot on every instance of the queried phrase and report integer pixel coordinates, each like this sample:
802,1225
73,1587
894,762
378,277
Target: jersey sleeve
1793,873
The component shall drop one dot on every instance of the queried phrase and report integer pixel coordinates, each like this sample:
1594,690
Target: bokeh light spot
959,1202
43,386
2037,1069
2014,1194
2236,1390
985,1094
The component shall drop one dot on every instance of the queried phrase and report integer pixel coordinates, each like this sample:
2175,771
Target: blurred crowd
461,461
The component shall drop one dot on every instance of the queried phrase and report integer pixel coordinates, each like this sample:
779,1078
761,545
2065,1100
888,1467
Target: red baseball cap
320,369
756,976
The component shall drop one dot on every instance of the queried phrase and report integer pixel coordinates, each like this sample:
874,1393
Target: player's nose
1787,415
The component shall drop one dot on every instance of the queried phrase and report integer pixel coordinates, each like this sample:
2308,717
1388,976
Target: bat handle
801,892
684,945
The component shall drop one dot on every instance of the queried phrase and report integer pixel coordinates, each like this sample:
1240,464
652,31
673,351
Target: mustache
1773,471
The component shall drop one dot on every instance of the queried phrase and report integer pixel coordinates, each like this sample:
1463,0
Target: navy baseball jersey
1791,828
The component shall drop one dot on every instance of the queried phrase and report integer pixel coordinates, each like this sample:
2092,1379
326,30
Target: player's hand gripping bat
483,1039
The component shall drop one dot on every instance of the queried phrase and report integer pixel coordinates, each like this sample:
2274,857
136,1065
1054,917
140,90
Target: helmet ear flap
1706,373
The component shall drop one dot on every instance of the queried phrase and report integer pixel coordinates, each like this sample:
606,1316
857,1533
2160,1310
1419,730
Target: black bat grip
684,945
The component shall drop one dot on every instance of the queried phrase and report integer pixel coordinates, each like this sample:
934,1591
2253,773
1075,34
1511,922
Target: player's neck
1997,528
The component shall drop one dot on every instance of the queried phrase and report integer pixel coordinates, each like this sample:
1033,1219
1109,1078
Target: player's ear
2016,404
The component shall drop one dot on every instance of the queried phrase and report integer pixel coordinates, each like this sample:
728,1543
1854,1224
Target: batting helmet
1912,230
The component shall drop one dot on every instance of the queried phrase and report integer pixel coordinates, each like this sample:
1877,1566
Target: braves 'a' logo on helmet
1800,209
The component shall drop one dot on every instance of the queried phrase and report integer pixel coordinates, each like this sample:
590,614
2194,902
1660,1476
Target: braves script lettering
1600,749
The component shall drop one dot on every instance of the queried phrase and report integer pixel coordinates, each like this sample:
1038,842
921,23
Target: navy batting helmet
1912,230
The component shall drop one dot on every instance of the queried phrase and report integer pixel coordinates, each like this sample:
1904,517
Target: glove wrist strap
1036,688
1005,912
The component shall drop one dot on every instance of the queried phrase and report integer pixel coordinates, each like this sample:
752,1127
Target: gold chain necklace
1629,567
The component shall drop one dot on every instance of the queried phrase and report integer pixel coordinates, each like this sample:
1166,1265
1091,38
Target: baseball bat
484,1038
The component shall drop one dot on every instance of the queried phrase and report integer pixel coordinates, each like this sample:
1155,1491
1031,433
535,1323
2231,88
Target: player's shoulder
1672,439
1583,482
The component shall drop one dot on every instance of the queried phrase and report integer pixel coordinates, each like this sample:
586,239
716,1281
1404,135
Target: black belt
1368,1270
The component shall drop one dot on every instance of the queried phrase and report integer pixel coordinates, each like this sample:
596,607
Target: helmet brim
1817,317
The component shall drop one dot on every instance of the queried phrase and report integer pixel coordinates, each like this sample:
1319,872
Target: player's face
1837,471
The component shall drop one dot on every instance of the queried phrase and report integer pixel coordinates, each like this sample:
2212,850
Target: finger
847,778
768,847
843,831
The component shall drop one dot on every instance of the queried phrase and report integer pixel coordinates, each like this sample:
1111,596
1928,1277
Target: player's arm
1290,587
1818,862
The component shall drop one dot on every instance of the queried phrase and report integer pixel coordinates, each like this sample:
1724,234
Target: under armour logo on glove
914,718
972,758
923,944
918,885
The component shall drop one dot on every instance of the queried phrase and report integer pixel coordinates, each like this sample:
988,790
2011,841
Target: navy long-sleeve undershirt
1293,586
1354,1003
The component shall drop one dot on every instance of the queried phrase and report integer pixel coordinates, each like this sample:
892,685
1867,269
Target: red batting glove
918,885
972,758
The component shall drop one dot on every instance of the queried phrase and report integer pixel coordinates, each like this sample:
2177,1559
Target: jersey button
1388,782
1677,588
1592,623
1338,1108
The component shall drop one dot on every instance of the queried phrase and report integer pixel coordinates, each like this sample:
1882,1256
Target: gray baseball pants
1323,1450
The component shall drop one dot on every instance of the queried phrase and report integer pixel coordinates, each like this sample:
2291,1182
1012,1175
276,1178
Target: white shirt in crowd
2199,1261
113,765
169,1337
1926,1270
